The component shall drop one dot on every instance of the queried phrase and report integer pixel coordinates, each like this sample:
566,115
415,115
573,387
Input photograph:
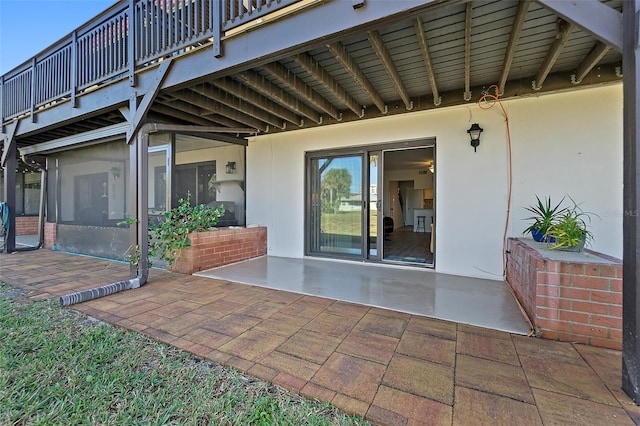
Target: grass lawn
61,367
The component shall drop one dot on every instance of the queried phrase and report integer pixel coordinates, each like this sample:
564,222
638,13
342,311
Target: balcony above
280,65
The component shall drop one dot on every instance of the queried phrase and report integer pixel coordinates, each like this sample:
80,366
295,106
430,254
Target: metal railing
103,50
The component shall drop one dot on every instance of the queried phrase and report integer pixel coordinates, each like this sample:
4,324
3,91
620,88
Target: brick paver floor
390,367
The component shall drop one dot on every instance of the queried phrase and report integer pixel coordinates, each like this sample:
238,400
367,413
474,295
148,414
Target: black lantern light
231,167
474,133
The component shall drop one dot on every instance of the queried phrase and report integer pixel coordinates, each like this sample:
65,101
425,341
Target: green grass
60,367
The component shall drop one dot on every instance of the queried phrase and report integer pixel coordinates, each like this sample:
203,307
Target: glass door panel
336,205
375,203
159,180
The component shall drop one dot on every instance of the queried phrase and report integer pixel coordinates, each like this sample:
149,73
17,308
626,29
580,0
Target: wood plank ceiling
449,56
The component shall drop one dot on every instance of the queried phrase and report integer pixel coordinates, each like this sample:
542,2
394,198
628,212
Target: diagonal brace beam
9,142
141,110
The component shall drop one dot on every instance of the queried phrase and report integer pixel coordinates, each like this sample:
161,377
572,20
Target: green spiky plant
543,216
570,231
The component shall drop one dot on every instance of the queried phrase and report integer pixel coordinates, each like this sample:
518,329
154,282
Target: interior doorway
409,179
374,204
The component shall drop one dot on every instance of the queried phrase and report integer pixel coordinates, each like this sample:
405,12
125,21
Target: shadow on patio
389,366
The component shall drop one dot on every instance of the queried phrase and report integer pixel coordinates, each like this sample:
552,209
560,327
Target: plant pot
575,249
538,236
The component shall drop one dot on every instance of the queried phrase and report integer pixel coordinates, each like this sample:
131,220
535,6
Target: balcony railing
103,50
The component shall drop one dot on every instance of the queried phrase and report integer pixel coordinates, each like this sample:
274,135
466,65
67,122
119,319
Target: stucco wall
564,143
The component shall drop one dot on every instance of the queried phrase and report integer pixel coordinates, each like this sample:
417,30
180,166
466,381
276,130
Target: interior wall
563,143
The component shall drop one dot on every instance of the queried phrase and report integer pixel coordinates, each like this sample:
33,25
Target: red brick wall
26,225
50,234
216,248
572,302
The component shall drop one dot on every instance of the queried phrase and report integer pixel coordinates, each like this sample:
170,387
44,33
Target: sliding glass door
336,205
372,203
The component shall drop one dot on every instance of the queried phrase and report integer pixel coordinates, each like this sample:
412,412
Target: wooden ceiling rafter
314,69
340,53
385,58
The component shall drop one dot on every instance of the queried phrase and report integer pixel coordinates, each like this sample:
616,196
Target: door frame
365,151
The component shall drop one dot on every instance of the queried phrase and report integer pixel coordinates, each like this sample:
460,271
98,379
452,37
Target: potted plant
569,231
543,217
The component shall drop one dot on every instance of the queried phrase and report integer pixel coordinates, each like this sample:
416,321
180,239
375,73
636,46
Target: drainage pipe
94,293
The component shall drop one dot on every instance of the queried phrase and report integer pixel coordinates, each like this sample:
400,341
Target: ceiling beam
597,19
467,51
245,93
192,107
217,108
278,95
591,60
424,47
238,105
387,61
564,31
341,54
200,106
514,36
171,111
286,77
310,65
194,113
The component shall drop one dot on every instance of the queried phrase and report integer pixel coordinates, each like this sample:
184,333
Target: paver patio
391,367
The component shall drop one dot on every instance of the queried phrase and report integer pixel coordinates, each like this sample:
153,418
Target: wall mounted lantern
231,167
474,133
115,171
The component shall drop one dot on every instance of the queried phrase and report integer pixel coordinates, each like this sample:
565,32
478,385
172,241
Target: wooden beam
254,98
514,36
223,114
341,54
9,141
467,51
194,110
564,31
323,77
171,111
631,204
237,104
221,109
278,95
387,61
148,98
10,163
597,19
424,47
591,60
289,79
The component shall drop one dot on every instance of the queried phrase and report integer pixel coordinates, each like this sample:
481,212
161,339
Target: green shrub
171,234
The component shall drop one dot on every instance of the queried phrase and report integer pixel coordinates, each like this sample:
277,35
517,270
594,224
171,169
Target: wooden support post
9,163
631,197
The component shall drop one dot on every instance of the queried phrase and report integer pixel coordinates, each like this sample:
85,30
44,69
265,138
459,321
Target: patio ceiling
445,56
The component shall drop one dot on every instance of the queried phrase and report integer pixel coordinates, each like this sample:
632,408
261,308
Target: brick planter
572,297
26,225
222,247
